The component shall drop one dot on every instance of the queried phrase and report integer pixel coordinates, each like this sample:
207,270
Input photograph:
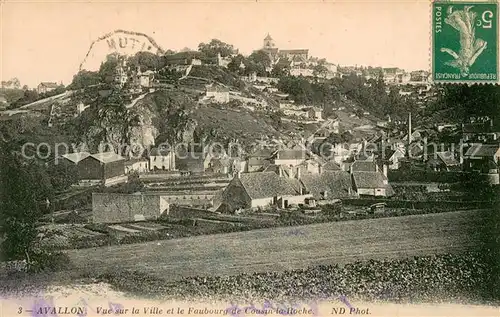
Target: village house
315,113
393,158
162,159
261,190
480,130
45,87
146,78
371,184
443,161
289,157
480,157
217,94
136,165
106,167
328,185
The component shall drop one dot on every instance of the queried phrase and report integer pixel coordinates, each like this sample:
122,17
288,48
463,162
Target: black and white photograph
249,158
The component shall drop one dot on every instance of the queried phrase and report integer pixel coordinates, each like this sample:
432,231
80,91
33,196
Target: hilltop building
45,87
296,56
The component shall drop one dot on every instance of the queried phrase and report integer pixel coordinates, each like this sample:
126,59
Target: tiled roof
369,179
254,161
331,166
76,157
335,183
291,155
364,166
448,158
107,157
482,150
266,185
263,153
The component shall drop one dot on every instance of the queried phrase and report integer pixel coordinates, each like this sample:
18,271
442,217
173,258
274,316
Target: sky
47,41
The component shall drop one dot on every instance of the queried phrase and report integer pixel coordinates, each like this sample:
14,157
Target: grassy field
288,248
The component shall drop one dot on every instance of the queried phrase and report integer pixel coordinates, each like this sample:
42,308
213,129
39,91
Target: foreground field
280,249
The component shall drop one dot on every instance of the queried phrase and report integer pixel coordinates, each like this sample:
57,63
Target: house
137,165
113,208
45,87
289,157
315,113
330,166
260,190
183,58
146,78
217,94
480,131
327,185
371,184
443,161
480,157
106,167
220,165
256,164
162,159
193,162
393,158
364,166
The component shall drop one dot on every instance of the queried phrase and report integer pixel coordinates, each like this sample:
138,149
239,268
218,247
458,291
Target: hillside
172,113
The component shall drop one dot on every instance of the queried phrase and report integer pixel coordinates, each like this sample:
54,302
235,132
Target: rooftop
266,185
482,150
107,157
76,157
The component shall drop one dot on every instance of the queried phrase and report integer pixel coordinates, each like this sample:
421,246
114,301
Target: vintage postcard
249,158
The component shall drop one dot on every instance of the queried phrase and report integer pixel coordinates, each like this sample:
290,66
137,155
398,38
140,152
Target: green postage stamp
465,42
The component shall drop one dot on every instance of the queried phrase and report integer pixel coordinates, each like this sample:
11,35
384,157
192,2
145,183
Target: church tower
268,42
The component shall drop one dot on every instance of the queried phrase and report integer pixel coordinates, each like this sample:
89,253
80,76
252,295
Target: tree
24,189
215,47
62,175
320,70
282,68
107,70
260,58
235,63
146,61
84,78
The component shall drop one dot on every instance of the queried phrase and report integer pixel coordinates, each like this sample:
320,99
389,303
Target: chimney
238,174
409,128
280,171
385,170
298,173
320,168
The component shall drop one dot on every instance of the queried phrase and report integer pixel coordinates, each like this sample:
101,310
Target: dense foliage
451,277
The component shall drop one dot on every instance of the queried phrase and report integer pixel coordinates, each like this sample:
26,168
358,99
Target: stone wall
116,208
